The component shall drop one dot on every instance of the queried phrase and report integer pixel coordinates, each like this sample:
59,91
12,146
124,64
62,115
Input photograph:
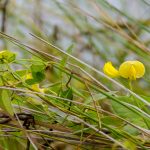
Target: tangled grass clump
73,107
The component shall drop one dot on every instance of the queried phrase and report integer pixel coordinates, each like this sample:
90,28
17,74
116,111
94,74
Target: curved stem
130,85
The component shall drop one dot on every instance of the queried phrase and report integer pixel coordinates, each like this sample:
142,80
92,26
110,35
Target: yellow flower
131,70
110,70
36,88
28,76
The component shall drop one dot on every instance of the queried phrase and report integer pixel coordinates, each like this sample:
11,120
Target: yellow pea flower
131,70
110,70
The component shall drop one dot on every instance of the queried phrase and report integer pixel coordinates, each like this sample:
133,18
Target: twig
4,12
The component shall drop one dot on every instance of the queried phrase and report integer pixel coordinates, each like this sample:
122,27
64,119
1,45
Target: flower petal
140,69
131,70
110,70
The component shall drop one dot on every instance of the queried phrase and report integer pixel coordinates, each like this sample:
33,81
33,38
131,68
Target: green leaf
113,121
38,73
1,82
7,76
64,60
7,56
38,61
131,130
5,101
34,101
146,97
126,113
67,94
130,145
21,73
98,97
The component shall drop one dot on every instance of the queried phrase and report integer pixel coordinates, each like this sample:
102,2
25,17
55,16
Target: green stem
130,85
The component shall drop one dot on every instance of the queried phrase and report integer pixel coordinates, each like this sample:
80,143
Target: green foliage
82,109
67,94
38,73
5,101
7,56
